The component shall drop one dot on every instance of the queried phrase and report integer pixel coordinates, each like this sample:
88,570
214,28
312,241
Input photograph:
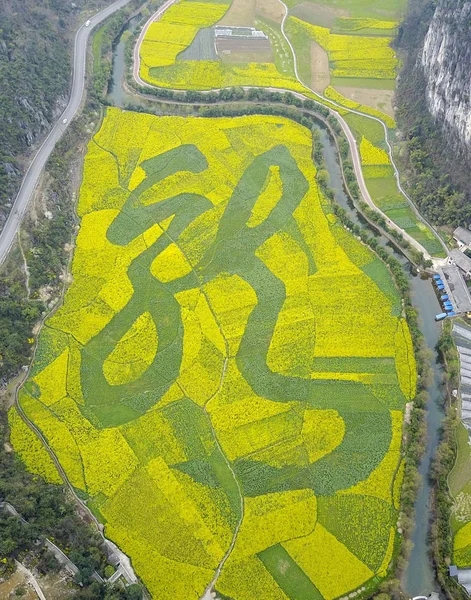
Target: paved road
34,171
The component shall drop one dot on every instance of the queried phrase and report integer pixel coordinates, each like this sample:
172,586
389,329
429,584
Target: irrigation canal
419,579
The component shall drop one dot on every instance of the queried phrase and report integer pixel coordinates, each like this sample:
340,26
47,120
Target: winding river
419,577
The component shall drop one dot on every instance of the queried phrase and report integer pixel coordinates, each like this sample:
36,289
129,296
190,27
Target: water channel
419,577
116,93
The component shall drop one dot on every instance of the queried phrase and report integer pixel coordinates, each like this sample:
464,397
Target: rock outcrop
446,62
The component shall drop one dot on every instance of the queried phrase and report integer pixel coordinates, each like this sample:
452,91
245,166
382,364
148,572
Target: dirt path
31,579
320,72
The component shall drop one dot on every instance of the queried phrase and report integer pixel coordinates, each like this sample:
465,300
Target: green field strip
362,523
288,574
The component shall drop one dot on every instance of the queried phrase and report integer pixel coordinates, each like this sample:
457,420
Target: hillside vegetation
35,64
437,176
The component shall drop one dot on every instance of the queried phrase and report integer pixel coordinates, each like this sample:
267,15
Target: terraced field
226,378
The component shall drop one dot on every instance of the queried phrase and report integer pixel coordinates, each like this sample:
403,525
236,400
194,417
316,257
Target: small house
462,236
462,261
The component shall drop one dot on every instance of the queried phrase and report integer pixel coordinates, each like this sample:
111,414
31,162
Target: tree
134,592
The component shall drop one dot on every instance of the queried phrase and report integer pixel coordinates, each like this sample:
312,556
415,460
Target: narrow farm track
208,591
210,588
355,154
321,102
35,169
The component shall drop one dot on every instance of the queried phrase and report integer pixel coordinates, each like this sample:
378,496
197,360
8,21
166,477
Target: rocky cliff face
446,64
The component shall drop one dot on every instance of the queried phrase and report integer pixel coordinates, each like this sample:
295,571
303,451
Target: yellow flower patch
232,300
353,55
332,577
166,38
355,24
134,352
58,436
249,579
106,457
268,199
170,264
372,155
173,486
322,432
405,361
30,449
53,379
274,518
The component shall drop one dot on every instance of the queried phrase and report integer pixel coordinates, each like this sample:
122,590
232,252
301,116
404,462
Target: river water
116,94
419,577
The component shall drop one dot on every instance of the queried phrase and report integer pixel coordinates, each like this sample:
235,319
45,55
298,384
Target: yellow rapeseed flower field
30,449
353,55
226,360
372,155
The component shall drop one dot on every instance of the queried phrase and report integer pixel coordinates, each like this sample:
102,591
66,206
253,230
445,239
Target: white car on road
87,23
64,121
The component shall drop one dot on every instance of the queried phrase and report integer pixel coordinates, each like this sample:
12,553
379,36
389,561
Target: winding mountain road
33,173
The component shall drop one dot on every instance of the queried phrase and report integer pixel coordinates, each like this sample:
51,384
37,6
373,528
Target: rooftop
463,234
461,260
456,287
237,31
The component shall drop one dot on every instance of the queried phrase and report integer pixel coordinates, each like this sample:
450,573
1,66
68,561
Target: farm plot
361,10
243,44
171,54
226,377
363,65
350,62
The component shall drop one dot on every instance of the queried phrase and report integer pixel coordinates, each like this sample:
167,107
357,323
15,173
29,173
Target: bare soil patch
320,73
270,9
318,14
244,49
380,99
56,586
241,12
16,582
